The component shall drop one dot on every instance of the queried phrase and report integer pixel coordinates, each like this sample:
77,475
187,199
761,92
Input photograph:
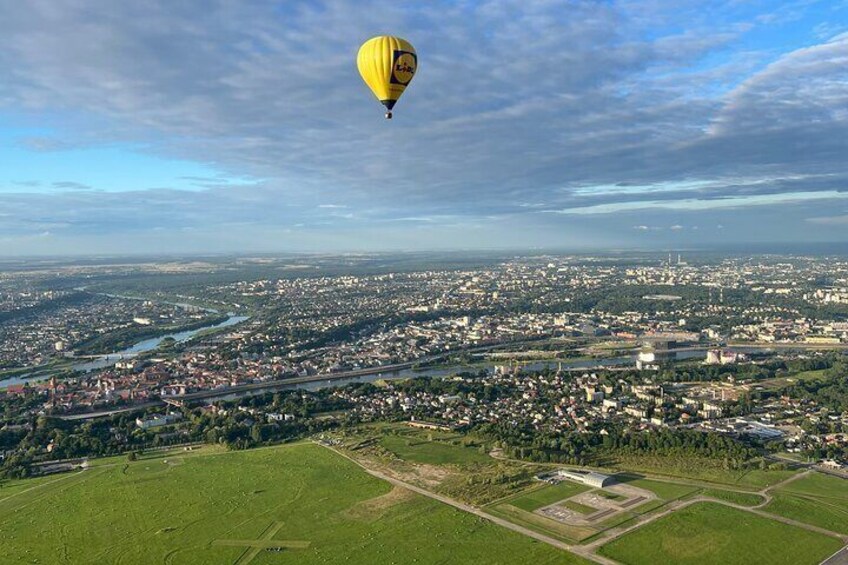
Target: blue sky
227,126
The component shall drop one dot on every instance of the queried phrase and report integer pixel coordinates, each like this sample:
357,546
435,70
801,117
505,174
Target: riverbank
126,338
106,360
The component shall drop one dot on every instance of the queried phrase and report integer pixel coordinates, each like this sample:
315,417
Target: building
588,478
612,403
723,357
594,396
157,420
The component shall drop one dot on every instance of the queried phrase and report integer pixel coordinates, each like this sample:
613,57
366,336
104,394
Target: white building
589,478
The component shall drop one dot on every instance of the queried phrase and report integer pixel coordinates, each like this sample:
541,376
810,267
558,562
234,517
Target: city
368,282
607,362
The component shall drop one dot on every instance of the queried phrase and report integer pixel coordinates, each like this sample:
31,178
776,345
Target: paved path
614,533
838,558
587,550
579,550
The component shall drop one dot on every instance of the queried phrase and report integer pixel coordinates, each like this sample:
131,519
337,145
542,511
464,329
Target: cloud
520,109
45,144
71,185
830,220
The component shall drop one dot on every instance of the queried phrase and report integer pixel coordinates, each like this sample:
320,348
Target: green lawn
546,495
816,499
743,498
11,490
411,448
202,508
711,534
701,470
809,375
664,490
520,508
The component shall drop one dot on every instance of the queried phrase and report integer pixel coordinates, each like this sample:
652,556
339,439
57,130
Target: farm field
816,499
711,534
238,507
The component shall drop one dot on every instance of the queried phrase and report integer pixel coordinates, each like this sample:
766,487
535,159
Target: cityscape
537,359
368,282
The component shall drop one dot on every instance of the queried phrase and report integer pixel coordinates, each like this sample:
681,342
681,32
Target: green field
803,376
577,507
701,470
664,490
520,509
411,448
816,499
215,507
546,495
742,498
10,488
711,534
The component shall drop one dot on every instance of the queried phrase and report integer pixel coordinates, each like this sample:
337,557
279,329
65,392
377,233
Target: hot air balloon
387,65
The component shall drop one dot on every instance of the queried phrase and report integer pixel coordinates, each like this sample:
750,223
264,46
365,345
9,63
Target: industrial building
588,478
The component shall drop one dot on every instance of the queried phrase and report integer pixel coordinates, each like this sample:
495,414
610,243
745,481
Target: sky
223,126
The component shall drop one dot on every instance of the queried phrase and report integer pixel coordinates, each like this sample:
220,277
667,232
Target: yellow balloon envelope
387,65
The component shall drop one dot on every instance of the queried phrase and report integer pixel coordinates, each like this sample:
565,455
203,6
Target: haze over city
230,126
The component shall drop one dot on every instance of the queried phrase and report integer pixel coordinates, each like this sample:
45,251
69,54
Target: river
103,361
446,371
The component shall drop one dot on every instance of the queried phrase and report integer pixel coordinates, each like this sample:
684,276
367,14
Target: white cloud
830,220
520,108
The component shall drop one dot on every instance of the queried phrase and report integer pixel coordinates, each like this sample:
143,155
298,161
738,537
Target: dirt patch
420,474
430,474
373,508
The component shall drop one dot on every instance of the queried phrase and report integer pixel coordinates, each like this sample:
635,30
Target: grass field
803,376
743,498
577,507
664,490
697,469
711,534
228,507
547,494
10,488
410,448
520,509
816,499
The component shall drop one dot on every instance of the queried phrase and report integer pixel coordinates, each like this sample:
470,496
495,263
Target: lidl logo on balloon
403,67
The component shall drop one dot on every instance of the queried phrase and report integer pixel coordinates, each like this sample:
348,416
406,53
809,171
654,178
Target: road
576,549
104,413
838,558
587,550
